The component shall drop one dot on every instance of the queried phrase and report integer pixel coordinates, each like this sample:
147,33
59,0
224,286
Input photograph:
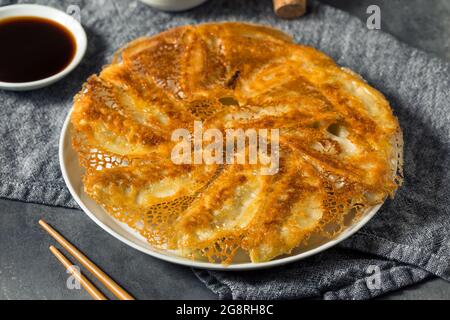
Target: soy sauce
33,48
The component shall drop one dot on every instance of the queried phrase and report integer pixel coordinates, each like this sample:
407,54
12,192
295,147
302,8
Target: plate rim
192,263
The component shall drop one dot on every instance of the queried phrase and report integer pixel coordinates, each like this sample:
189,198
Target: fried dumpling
339,151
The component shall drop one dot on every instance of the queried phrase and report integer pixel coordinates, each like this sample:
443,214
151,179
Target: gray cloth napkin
409,238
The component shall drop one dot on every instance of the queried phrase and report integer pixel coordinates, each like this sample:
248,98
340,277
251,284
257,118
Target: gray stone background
29,271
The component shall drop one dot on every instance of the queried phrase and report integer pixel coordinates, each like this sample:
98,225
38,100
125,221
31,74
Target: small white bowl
34,10
173,5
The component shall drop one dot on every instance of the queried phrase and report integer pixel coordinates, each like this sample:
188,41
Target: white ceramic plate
34,10
72,174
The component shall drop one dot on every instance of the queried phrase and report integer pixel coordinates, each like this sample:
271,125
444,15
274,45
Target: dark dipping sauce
33,48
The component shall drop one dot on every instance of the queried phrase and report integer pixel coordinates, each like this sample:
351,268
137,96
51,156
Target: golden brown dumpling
339,143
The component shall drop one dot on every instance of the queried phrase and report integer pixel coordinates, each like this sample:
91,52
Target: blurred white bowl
34,10
173,5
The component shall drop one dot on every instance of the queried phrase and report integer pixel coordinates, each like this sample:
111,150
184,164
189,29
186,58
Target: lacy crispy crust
340,145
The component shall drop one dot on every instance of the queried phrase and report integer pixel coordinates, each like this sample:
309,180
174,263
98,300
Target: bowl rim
349,231
46,12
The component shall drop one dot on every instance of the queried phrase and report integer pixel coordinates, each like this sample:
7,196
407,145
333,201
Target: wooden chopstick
90,288
96,271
